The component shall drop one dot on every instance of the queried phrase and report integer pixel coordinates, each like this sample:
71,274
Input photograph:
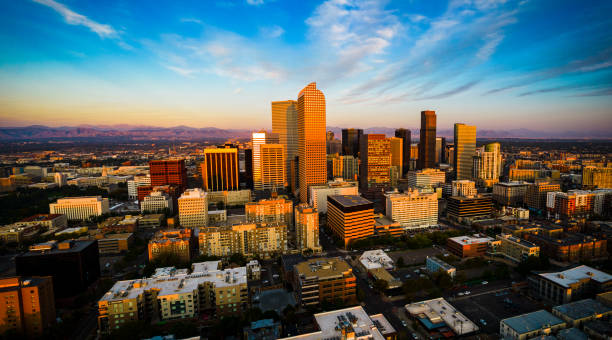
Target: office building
596,177
169,172
172,294
405,135
285,124
193,208
324,279
375,161
569,247
219,169
426,178
530,325
138,181
80,208
258,140
576,313
115,243
434,265
333,146
468,246
350,217
345,167
384,226
311,145
319,193
307,228
274,210
571,204
61,179
465,149
350,142
74,265
178,243
248,239
439,315
569,285
469,208
463,188
427,140
273,175
536,193
155,202
413,209
28,306
515,248
48,221
397,153
509,193
487,165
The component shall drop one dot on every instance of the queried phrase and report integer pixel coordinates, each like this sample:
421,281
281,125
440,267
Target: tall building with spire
405,135
311,139
284,123
427,140
465,149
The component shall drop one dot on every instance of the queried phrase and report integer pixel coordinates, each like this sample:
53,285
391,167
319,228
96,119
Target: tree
442,279
400,262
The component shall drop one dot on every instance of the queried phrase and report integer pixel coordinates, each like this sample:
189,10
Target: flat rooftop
532,321
41,218
77,246
122,236
371,259
583,308
568,277
471,239
322,267
349,200
437,310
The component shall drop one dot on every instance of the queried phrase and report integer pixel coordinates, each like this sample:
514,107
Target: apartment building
307,228
509,193
426,177
413,209
178,242
193,208
324,279
569,285
535,194
319,193
515,248
248,239
274,210
157,201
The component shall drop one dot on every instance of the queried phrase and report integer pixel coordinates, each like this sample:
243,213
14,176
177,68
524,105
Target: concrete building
576,313
427,140
28,307
193,208
307,228
596,177
180,243
219,170
350,142
137,181
115,243
265,329
230,198
169,172
273,176
510,193
345,167
569,285
571,204
258,139
405,135
175,294
319,193
438,313
375,156
468,246
465,149
324,279
535,194
60,178
487,165
516,249
285,124
80,208
311,139
272,210
426,177
434,265
350,217
156,201
530,325
371,259
248,239
397,153
463,188
412,209
48,221
469,208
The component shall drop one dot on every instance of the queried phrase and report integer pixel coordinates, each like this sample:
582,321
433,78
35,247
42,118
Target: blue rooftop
581,309
571,334
532,321
262,323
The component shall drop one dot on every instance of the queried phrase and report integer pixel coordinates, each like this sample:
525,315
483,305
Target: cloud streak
73,18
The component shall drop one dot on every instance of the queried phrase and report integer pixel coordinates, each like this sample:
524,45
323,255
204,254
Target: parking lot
487,310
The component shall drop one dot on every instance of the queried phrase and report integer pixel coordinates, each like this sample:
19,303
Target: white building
413,209
61,179
319,193
438,311
372,259
426,178
80,208
464,187
193,208
155,202
132,185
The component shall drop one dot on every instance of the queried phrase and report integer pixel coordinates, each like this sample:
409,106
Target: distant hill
185,133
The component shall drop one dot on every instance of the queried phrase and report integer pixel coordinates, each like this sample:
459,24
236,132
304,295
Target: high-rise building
350,142
571,204
60,179
138,181
219,169
350,217
28,307
427,140
311,132
259,139
460,208
329,135
269,211
319,193
465,148
273,175
413,210
333,146
167,172
284,123
345,167
464,188
596,177
509,193
375,161
248,168
426,177
405,135
397,153
487,165
535,194
193,208
80,208
307,228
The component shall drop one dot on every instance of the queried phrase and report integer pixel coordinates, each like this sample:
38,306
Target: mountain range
142,132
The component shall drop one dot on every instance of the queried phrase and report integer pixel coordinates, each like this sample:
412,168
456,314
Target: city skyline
493,64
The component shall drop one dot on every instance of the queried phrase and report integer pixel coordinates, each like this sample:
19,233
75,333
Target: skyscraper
311,133
272,167
350,141
307,228
220,169
375,161
465,148
284,123
487,164
258,139
193,208
169,172
427,140
397,153
405,135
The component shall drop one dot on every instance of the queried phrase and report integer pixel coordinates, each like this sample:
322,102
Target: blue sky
538,64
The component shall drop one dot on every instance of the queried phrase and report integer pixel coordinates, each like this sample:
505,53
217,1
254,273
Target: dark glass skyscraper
427,140
350,141
405,135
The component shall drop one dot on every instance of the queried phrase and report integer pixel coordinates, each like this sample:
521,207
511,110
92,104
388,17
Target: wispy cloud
272,32
255,2
73,18
452,92
191,20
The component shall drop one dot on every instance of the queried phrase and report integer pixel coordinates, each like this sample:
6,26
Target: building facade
350,142
179,243
510,193
80,208
427,140
375,161
536,193
405,135
193,208
350,217
487,166
324,279
465,149
169,172
425,178
219,169
307,228
157,201
285,124
248,239
272,210
319,193
413,210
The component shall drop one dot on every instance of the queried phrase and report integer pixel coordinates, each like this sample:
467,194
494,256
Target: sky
497,64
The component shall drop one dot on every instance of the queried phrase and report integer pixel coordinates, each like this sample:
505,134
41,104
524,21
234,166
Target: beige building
597,177
285,124
307,228
413,209
248,239
80,208
465,149
426,177
397,148
318,193
258,139
156,201
311,139
277,210
273,176
193,208
324,279
516,249
535,194
487,165
464,188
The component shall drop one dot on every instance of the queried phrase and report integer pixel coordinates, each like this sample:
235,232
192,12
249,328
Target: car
414,336
407,276
370,286
422,275
460,294
265,281
485,282
467,292
404,323
484,323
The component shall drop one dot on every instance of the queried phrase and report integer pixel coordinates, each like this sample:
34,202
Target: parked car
484,323
467,292
460,294
485,282
414,336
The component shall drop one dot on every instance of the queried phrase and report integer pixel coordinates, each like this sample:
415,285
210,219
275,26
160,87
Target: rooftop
50,248
353,319
371,259
438,310
122,236
581,309
322,267
532,321
568,277
41,217
471,239
571,334
440,263
349,200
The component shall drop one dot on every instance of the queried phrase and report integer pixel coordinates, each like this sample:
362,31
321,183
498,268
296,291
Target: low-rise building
462,209
230,198
115,243
569,285
569,247
274,210
434,265
324,279
178,242
426,178
530,325
371,259
438,314
266,329
80,208
468,246
384,226
319,193
49,221
515,248
578,312
151,221
16,234
156,201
